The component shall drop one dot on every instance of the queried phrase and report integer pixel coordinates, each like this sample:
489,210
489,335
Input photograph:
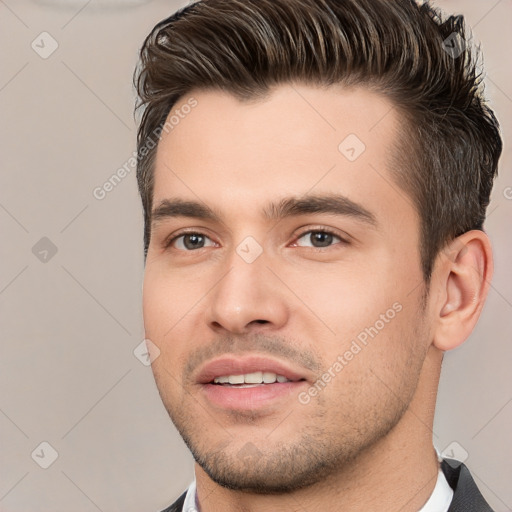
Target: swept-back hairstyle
449,144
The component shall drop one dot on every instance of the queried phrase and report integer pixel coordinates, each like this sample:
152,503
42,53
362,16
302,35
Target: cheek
346,298
164,312
167,301
375,372
372,319
163,308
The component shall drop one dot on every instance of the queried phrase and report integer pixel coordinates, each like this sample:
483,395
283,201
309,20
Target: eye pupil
193,241
321,239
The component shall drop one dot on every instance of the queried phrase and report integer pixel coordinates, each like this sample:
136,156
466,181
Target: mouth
252,379
249,383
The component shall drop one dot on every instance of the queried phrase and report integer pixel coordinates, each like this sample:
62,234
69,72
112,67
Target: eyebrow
333,204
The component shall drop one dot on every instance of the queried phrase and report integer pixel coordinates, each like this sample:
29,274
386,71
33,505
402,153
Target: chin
270,468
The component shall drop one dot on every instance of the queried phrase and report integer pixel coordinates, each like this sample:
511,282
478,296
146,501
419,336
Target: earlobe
464,270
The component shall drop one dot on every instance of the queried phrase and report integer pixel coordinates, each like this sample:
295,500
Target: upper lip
230,365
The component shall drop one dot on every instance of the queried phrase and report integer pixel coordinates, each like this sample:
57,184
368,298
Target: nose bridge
247,292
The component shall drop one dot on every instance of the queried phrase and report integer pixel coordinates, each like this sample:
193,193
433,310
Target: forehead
299,139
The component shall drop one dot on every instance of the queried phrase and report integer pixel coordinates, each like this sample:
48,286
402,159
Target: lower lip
251,398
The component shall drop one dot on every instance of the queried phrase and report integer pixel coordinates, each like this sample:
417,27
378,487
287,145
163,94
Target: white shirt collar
191,504
441,497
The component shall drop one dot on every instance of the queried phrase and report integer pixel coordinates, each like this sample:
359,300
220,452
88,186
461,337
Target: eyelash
168,242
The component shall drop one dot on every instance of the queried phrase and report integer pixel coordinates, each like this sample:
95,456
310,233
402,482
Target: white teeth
251,378
269,377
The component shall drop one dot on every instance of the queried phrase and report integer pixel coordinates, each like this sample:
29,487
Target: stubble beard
314,455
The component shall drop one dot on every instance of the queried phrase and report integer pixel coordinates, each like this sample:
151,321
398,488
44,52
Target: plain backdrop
72,268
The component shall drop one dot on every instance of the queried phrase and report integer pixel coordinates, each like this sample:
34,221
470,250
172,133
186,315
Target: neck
399,472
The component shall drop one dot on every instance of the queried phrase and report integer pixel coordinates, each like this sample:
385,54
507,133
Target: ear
464,270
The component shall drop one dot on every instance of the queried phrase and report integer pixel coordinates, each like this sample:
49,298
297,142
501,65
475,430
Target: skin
369,430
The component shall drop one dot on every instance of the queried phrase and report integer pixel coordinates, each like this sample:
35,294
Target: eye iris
193,241
321,239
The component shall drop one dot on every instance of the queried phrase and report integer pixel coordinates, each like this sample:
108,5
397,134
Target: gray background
70,321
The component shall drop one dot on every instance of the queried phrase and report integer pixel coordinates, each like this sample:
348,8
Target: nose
248,297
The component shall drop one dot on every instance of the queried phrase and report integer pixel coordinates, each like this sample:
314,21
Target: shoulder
466,496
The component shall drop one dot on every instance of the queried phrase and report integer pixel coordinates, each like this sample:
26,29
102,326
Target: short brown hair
403,50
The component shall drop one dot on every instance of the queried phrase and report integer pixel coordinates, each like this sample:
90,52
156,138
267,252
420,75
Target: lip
258,397
242,365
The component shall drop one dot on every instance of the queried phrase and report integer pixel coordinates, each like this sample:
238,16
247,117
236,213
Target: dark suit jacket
466,496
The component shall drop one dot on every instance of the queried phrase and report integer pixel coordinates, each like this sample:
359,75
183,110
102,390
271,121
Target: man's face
288,253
